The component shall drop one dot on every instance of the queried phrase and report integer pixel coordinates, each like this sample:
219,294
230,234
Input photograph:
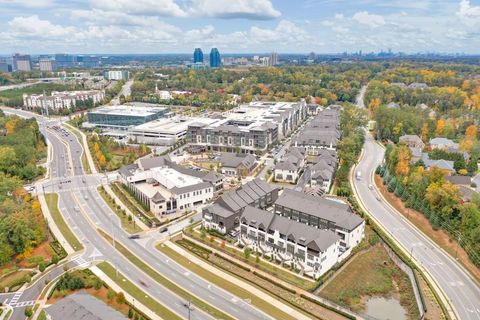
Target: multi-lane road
461,290
85,212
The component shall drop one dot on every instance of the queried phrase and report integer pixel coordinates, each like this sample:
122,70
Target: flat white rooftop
126,110
172,178
172,126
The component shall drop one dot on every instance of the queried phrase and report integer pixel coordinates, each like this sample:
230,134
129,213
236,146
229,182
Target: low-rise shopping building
166,187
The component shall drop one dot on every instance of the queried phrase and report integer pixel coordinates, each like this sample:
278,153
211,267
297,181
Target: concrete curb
438,289
257,292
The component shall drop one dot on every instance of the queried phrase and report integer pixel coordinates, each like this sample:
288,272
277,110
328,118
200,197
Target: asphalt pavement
459,287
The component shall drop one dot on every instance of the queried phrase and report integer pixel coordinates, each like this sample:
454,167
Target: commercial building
22,62
322,213
165,187
215,60
82,306
5,67
65,61
116,75
46,64
165,132
59,100
88,61
273,59
313,250
224,214
198,56
249,128
123,117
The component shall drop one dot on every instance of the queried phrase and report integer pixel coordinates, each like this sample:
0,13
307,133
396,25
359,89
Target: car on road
370,186
163,230
134,236
378,197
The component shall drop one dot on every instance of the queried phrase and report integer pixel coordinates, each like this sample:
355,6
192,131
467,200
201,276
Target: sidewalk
112,194
53,226
273,279
265,297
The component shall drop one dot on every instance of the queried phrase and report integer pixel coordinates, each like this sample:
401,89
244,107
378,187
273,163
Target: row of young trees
438,199
352,120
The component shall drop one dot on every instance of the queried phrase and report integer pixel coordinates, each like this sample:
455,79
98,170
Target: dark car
164,229
134,236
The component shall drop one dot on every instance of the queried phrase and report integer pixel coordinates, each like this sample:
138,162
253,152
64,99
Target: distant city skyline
243,26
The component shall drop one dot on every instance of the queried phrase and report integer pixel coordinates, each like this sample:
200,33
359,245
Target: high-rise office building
4,66
215,60
88,61
46,64
63,61
198,56
273,59
22,62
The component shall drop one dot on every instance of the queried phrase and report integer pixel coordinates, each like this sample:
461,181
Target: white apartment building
59,100
293,243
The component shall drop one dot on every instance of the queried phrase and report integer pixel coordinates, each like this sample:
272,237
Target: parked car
163,230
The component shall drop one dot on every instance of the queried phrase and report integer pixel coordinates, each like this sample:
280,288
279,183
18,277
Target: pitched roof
463,180
340,214
285,165
82,306
157,198
233,160
190,188
153,162
305,235
247,194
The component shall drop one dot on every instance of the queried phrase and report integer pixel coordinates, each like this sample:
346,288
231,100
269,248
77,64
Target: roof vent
254,221
302,239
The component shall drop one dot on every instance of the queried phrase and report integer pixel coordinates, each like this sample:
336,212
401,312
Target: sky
239,26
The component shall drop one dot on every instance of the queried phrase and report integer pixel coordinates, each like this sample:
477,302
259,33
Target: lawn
36,89
137,293
214,312
52,202
14,280
127,225
220,282
312,309
370,274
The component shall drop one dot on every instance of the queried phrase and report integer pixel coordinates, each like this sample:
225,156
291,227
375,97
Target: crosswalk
15,304
80,261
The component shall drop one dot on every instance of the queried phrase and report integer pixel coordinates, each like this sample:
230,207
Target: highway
85,211
461,290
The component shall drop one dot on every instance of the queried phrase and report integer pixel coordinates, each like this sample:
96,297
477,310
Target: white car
370,186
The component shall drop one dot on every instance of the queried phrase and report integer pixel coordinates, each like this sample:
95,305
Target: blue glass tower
215,61
198,56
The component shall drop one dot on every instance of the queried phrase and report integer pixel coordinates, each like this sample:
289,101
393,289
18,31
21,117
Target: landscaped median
223,283
86,166
137,293
127,221
200,304
52,203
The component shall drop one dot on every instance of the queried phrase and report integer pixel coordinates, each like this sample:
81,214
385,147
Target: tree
28,311
246,252
120,298
110,294
130,313
440,127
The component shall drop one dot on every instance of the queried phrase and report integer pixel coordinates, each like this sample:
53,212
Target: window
242,141
208,138
220,140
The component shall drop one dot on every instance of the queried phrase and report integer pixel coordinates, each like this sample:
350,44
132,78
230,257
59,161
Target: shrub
28,311
120,298
110,294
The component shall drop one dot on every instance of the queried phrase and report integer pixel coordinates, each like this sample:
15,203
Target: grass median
136,292
128,224
52,203
226,285
86,166
200,304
